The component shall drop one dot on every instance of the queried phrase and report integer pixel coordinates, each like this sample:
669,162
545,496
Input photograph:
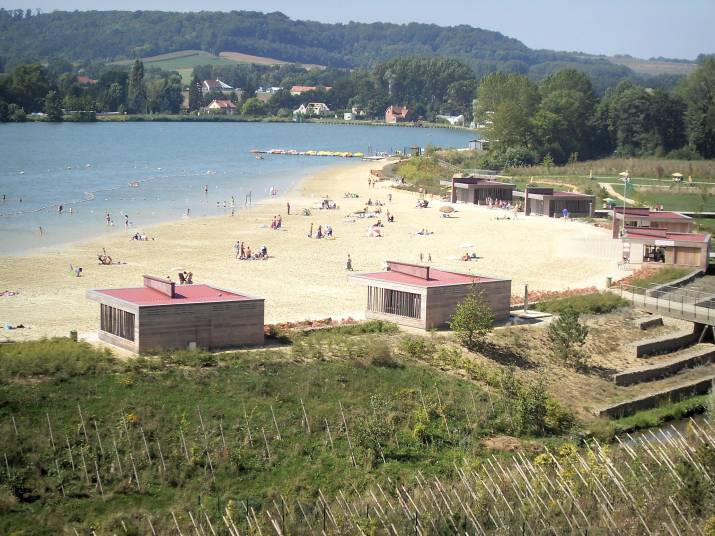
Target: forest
89,36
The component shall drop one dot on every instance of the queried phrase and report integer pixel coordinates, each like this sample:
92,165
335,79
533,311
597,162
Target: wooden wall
442,301
209,325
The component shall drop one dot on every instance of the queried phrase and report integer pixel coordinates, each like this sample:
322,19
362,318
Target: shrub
473,320
191,358
417,347
598,303
567,335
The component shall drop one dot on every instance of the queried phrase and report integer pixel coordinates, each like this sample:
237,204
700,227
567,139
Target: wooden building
649,219
642,245
477,189
547,202
425,297
161,315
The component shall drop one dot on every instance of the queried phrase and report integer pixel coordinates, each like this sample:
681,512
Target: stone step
666,367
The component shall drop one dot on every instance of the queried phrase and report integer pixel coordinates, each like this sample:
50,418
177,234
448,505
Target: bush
598,303
190,358
417,347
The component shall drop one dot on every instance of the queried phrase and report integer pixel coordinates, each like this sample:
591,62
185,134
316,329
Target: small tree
53,107
472,320
567,335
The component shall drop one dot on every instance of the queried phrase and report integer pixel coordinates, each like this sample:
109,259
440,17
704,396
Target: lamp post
626,179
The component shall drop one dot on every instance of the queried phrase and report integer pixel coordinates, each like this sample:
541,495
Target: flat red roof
653,214
184,294
661,234
437,278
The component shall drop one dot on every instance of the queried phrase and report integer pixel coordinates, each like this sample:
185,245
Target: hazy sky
643,28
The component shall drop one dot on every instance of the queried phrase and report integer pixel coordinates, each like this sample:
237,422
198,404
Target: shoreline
303,278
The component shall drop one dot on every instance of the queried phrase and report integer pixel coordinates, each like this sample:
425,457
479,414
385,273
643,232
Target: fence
673,301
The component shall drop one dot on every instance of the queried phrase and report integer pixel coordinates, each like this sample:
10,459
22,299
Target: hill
271,38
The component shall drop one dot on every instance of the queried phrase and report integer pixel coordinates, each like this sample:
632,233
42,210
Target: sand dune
304,278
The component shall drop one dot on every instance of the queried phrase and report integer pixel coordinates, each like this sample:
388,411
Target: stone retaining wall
623,409
666,368
666,343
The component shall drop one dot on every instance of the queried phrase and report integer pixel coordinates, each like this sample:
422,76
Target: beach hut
160,315
547,202
637,218
477,188
425,297
690,250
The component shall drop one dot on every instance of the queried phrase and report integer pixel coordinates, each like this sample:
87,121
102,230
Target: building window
117,322
394,302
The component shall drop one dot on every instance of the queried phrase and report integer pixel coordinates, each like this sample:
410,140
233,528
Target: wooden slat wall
442,301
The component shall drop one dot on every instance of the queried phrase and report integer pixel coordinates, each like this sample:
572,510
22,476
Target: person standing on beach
206,189
349,264
237,247
310,233
126,221
107,217
288,207
60,208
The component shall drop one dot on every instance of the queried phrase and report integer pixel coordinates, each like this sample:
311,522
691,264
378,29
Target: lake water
90,168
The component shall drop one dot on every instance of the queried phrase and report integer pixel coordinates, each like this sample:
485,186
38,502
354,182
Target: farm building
425,297
477,189
650,219
547,202
159,316
397,114
642,245
221,107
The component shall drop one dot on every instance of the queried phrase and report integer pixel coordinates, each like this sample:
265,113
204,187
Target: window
117,322
394,302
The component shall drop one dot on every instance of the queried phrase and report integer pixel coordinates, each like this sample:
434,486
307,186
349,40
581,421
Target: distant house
217,86
221,107
349,116
357,111
456,120
85,80
297,90
265,94
312,109
479,145
396,114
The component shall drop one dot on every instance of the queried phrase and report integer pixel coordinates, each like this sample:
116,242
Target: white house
452,119
221,107
317,109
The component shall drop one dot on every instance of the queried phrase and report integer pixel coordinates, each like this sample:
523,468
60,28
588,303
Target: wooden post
265,440
146,446
69,449
86,437
116,452
49,425
14,424
347,433
305,416
99,439
275,424
526,297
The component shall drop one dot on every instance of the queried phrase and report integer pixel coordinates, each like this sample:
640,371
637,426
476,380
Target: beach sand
304,278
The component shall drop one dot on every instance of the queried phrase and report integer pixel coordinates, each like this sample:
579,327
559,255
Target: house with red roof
218,86
85,80
554,204
298,90
160,315
425,297
221,107
646,245
396,114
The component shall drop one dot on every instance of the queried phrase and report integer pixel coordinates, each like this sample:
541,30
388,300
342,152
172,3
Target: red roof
302,89
85,80
438,278
184,294
223,103
652,214
640,233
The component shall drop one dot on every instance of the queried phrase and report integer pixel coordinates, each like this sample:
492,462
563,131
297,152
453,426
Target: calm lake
154,172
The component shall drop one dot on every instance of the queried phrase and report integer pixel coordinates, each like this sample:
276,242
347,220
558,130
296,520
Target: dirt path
612,192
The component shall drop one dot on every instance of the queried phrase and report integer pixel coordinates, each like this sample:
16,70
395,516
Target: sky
641,28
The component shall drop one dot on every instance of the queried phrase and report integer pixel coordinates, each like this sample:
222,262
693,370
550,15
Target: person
243,252
248,252
565,212
421,256
233,211
279,222
349,264
188,212
190,278
237,248
310,233
429,257
264,251
59,209
41,230
389,198
273,223
71,211
329,231
206,189
224,204
182,278
126,221
288,207
319,233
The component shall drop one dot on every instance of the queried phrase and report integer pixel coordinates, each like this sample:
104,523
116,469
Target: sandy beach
304,278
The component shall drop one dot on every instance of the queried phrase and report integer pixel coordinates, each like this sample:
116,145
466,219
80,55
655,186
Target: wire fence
673,301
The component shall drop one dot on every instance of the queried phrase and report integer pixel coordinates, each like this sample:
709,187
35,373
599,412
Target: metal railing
681,303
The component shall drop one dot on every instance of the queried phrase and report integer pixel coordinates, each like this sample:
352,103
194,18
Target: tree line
561,118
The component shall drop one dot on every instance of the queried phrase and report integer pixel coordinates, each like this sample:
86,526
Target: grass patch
61,357
424,172
598,303
664,275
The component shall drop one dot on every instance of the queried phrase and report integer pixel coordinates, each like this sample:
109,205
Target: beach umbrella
679,175
446,209
623,174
